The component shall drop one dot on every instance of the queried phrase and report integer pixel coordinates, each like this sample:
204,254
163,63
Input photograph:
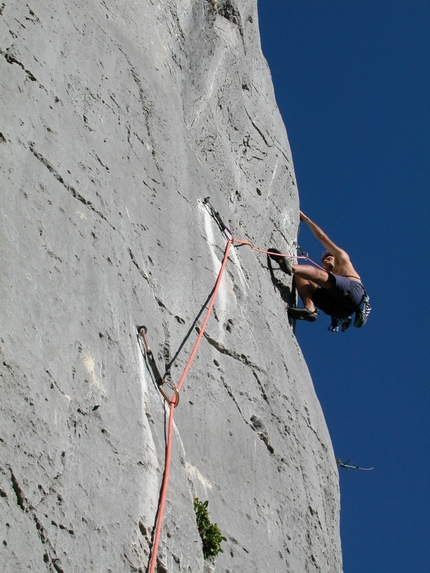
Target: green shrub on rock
209,532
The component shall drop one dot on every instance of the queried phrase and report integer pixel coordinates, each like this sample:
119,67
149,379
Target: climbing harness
361,316
142,330
346,465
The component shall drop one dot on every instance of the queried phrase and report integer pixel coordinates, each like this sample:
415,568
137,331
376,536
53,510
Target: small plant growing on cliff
209,532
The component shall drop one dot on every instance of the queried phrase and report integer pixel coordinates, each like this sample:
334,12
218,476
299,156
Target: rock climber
336,288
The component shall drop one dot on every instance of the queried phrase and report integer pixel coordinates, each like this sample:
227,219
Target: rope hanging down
173,403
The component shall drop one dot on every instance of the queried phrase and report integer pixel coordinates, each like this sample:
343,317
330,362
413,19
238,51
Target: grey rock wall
117,119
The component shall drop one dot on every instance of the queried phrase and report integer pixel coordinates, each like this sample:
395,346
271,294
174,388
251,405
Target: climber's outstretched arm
341,255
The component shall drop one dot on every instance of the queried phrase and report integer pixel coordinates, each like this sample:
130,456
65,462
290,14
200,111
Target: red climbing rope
163,494
288,255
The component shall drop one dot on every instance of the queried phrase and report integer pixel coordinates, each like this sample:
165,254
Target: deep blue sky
352,81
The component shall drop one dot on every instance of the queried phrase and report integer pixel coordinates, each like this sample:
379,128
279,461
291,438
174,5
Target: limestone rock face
118,118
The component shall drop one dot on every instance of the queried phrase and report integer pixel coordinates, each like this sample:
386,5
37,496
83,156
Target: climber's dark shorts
340,300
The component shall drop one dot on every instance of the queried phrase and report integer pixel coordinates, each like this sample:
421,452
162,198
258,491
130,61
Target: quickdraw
217,217
346,465
159,380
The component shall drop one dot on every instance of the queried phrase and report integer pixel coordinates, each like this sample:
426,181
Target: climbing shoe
303,314
283,263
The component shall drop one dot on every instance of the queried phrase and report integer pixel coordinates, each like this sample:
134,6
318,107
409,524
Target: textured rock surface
117,119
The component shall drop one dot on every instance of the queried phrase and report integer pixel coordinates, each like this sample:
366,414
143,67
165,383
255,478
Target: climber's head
328,261
325,255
